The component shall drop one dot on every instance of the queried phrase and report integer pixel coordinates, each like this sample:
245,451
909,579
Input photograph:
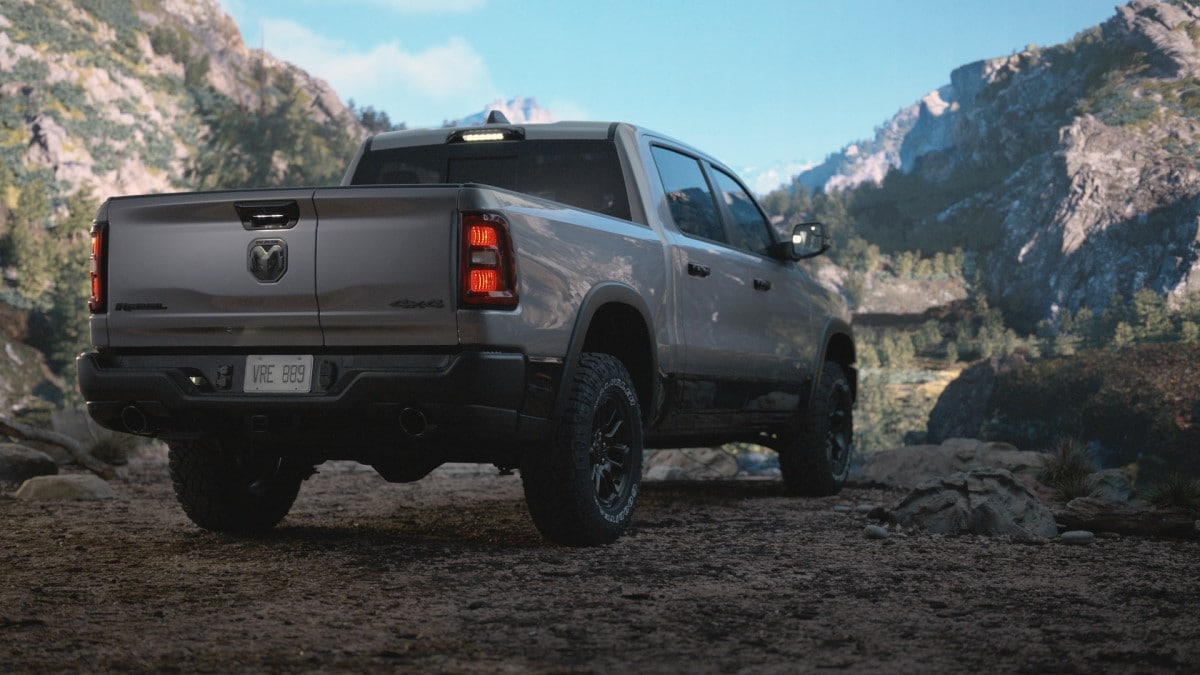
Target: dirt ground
449,575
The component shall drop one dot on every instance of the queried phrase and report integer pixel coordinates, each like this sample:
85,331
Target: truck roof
555,130
570,130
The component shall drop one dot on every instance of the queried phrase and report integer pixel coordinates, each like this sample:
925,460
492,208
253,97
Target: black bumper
355,405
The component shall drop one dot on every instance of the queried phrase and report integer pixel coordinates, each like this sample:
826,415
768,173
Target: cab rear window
583,174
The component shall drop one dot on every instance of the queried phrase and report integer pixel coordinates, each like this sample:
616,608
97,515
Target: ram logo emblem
268,259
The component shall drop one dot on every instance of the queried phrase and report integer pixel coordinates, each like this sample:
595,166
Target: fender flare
834,327
607,293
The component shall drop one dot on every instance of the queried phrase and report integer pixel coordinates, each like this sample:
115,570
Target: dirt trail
448,575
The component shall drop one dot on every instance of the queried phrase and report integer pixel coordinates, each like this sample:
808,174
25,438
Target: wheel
815,458
224,490
582,485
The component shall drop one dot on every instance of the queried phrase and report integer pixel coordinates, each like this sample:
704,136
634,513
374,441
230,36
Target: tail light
98,303
489,276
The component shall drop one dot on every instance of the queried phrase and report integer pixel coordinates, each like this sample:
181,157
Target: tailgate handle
274,215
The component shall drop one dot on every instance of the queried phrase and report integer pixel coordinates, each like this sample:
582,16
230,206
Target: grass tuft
1068,470
1177,491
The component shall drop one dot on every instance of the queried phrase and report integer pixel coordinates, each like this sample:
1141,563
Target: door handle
275,215
698,270
762,285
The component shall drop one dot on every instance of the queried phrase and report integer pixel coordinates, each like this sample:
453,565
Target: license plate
275,374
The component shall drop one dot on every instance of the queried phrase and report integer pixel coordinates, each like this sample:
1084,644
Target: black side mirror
808,240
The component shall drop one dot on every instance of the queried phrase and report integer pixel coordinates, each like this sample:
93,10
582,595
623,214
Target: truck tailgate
386,264
213,270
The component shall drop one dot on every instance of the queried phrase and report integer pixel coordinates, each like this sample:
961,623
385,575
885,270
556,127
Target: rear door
386,265
213,270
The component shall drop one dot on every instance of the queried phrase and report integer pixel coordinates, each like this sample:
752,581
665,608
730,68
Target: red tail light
489,276
98,303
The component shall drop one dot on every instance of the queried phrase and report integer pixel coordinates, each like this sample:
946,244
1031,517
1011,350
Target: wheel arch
837,345
614,319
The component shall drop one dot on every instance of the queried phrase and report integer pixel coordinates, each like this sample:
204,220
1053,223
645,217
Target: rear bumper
355,405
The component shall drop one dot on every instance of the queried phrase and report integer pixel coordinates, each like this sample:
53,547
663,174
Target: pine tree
1150,321
28,245
67,317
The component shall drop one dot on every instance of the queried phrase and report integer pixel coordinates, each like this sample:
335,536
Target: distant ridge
518,110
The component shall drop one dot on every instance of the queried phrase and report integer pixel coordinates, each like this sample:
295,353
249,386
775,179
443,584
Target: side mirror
808,240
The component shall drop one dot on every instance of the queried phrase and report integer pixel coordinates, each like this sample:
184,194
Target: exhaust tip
413,422
134,420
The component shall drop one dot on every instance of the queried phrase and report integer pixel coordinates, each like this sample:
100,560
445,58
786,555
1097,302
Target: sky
766,86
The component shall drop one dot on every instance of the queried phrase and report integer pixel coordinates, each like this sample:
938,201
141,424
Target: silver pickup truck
549,298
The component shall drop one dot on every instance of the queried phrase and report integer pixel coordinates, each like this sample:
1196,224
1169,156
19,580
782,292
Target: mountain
124,96
1072,168
518,110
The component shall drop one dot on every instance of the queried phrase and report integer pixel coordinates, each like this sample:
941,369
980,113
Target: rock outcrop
913,465
1073,167
111,97
966,403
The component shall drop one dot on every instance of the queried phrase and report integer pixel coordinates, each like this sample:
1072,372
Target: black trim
605,294
354,408
834,326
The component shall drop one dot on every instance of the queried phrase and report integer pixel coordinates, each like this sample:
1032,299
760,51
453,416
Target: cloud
443,73
762,180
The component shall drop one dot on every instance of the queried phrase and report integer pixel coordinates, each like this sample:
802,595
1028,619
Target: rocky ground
448,575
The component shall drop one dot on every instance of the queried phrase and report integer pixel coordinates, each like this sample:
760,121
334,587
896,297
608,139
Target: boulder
689,464
19,463
965,403
69,487
1112,485
989,502
912,465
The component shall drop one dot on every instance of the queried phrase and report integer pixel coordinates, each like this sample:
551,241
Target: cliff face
1111,206
113,94
1082,158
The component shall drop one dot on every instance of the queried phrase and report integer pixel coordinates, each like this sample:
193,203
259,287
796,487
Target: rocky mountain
123,95
518,110
1073,168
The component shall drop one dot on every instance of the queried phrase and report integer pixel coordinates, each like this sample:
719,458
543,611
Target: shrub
116,448
1176,491
1068,469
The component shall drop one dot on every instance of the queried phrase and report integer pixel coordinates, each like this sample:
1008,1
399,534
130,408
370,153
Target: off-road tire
815,457
582,485
224,490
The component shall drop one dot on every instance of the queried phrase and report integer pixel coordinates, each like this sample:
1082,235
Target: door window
750,231
688,195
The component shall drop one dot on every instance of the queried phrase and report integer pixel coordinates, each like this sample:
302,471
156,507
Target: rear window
583,174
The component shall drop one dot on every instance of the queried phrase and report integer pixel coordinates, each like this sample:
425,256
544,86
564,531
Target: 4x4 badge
268,259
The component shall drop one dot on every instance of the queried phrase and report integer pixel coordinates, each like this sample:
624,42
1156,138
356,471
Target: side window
688,195
751,232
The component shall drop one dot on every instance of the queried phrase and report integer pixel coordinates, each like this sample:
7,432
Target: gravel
448,575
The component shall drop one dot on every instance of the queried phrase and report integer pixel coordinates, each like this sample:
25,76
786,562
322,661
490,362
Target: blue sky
758,83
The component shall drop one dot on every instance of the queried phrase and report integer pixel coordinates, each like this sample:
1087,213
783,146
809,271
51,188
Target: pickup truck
551,298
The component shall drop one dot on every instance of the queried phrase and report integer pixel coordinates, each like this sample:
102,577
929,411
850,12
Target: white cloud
386,75
765,179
